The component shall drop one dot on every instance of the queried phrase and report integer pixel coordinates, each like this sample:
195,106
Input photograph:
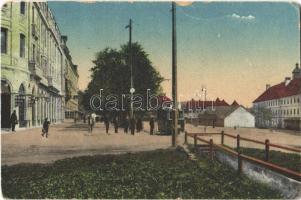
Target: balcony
36,72
34,31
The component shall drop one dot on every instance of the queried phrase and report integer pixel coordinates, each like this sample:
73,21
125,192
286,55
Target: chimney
267,86
287,80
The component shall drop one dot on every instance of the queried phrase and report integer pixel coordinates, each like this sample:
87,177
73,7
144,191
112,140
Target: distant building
71,83
279,106
227,116
193,108
32,65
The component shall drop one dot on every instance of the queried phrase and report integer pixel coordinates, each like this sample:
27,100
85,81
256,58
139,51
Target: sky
232,48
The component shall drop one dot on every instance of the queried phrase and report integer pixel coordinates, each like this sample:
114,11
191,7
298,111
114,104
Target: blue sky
234,49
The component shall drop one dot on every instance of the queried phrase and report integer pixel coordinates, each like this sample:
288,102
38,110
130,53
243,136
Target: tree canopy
111,72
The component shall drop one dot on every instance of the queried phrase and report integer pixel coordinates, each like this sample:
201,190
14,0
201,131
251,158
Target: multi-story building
71,87
279,106
32,65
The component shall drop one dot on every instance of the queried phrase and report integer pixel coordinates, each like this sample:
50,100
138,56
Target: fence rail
240,157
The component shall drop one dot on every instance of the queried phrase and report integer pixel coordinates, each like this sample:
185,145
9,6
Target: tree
111,72
263,117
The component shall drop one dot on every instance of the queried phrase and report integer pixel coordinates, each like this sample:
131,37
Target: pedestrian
91,123
139,125
107,124
45,127
132,125
115,123
126,125
84,118
13,121
151,125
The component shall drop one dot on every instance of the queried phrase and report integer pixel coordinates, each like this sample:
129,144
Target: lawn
156,174
287,160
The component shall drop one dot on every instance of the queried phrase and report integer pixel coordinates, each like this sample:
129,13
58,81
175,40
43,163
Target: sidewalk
69,139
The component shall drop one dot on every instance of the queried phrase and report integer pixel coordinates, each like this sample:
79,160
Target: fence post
238,143
239,162
185,137
267,150
211,149
222,137
195,140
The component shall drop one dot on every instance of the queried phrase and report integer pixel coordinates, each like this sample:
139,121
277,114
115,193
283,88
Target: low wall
290,189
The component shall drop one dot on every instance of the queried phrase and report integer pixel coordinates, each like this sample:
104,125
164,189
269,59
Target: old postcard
150,100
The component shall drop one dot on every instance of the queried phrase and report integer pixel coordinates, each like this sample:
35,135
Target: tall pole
300,33
131,66
174,76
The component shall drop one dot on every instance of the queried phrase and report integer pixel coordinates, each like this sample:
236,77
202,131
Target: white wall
240,118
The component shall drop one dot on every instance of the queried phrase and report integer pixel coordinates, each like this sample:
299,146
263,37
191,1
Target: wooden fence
240,157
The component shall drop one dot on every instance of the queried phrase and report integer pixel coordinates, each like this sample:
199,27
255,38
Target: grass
288,160
156,174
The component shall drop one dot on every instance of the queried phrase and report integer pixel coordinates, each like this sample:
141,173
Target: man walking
107,124
13,121
90,123
45,127
152,125
126,125
115,122
132,125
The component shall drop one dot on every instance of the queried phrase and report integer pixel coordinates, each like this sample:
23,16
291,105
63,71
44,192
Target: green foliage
112,73
287,160
156,174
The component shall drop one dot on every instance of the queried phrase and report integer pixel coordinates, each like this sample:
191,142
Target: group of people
131,125
14,121
127,124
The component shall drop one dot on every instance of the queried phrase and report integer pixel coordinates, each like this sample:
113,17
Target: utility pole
132,90
174,76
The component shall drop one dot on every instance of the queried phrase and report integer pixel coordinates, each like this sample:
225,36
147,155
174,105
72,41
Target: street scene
150,100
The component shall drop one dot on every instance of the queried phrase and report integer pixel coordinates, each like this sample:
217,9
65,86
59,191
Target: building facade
279,106
71,81
32,65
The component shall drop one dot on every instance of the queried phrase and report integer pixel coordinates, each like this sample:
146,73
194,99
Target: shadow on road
73,127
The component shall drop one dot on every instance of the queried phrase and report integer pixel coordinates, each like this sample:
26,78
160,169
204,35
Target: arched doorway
5,104
20,102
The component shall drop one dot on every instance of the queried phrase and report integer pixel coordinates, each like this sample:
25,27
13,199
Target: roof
234,103
280,90
221,112
194,104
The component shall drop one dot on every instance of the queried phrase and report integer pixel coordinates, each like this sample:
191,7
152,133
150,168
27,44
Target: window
22,8
22,45
3,40
33,52
33,16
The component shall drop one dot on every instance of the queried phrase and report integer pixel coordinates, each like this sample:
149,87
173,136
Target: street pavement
69,140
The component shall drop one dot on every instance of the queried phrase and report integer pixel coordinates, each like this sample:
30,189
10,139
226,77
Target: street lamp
132,90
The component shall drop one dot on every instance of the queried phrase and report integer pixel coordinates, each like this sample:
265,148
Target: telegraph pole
174,76
132,90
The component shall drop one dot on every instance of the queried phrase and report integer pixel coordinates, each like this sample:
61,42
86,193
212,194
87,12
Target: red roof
280,91
194,104
234,103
